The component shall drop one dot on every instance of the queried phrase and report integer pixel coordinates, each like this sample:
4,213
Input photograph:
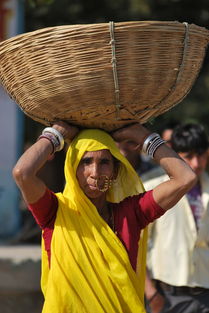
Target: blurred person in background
167,131
178,254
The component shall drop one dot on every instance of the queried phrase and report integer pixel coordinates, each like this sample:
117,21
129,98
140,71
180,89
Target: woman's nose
94,170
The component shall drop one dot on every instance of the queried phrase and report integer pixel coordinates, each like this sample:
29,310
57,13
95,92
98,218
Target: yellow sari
90,269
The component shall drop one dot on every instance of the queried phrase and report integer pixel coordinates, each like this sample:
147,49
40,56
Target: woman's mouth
93,187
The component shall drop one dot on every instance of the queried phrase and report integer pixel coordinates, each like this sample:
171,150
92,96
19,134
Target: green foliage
35,3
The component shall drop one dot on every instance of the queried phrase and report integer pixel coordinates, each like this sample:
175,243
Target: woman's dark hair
189,138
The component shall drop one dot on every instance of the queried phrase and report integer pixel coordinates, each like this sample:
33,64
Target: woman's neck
105,211
102,206
99,202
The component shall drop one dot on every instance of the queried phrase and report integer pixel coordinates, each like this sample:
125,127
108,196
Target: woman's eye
105,161
86,161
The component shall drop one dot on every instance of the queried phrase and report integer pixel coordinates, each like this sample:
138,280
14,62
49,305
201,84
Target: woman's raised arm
27,167
182,177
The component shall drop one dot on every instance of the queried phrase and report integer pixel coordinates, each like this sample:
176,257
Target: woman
91,230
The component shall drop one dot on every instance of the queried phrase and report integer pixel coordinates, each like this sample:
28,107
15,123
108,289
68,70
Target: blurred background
18,132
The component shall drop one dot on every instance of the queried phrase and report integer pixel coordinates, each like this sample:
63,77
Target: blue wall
11,143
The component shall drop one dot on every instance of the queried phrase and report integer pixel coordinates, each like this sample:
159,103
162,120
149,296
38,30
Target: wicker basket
102,75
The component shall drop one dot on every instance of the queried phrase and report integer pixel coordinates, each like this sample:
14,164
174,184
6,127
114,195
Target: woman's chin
93,193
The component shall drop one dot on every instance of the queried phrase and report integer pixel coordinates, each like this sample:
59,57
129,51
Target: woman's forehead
104,153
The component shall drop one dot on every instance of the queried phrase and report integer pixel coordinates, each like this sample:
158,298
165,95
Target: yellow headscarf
90,270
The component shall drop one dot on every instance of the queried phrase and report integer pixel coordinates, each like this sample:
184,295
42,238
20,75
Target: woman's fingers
68,131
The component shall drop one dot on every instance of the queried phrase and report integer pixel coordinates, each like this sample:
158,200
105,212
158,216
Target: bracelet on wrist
151,144
52,140
148,140
54,132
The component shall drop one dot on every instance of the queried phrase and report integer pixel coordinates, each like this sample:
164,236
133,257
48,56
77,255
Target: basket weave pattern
67,72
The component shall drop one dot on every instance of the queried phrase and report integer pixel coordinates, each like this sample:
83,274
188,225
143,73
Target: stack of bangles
151,144
55,137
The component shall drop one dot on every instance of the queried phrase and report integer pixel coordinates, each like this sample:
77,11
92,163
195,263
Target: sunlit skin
93,166
131,150
166,135
197,162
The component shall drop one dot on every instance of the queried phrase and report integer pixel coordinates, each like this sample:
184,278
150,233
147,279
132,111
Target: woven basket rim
143,23
31,48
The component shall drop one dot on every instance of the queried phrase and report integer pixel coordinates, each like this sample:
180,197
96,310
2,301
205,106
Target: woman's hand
130,139
67,131
135,133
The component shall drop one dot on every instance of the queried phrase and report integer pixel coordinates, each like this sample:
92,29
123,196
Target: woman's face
92,170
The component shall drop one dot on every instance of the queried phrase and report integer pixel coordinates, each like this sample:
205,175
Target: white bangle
154,146
53,139
148,140
57,134
152,143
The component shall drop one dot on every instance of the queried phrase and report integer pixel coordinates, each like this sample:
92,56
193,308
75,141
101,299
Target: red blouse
130,217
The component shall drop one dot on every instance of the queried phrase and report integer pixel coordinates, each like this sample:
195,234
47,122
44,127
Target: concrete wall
20,270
